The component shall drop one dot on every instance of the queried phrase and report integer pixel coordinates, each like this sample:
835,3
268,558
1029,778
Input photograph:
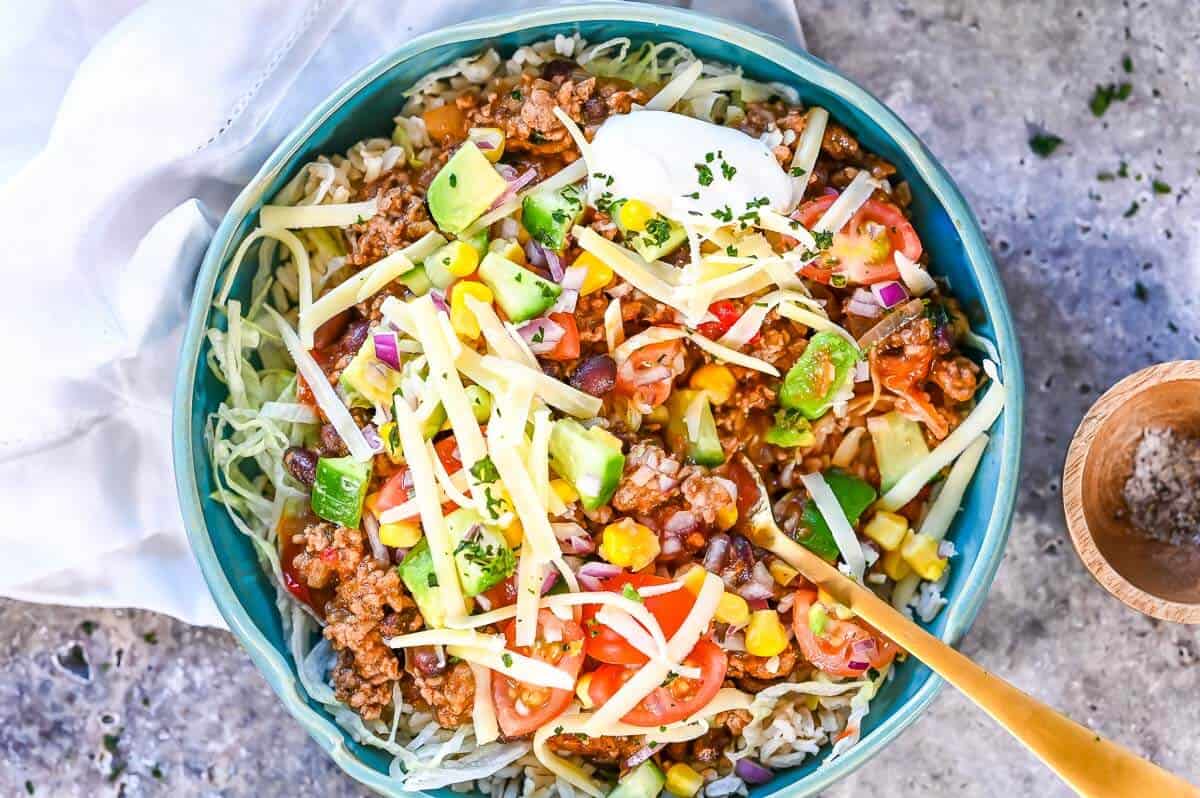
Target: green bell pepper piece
852,493
339,489
821,373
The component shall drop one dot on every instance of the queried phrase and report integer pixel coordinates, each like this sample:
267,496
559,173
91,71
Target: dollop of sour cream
686,168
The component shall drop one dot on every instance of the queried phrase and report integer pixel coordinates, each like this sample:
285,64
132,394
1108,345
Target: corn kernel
895,566
920,551
727,516
514,533
400,534
732,609
765,636
717,381
634,214
507,248
581,690
840,610
629,544
693,579
391,442
886,529
492,137
683,780
461,318
564,491
597,274
458,257
782,572
812,702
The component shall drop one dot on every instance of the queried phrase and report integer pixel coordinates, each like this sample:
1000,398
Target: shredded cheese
553,392
292,217
807,150
614,325
299,256
499,339
448,637
526,669
327,400
732,355
397,264
628,264
647,337
946,505
847,204
843,534
814,320
676,88
564,177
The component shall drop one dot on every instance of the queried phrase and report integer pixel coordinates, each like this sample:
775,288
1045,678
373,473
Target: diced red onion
386,349
864,648
484,144
593,573
862,371
757,604
535,253
515,184
573,278
718,549
548,582
578,545
890,293
371,435
671,546
371,526
439,300
550,334
509,173
946,549
857,665
554,264
566,302
753,591
644,753
681,523
752,773
484,602
863,303
652,375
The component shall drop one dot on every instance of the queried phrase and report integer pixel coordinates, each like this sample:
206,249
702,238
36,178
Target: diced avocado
589,458
823,372
369,377
432,420
660,238
439,275
790,430
478,242
480,401
339,489
417,572
899,445
549,215
463,189
520,293
852,493
417,280
644,781
703,449
481,554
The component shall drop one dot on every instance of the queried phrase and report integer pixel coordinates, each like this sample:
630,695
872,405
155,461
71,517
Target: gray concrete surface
1104,277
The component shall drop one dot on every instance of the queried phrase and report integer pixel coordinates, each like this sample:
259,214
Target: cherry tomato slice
858,254
844,648
524,708
568,346
669,609
678,699
649,372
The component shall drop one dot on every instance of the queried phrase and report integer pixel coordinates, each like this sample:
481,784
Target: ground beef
330,553
402,219
752,673
839,144
956,376
610,750
707,496
367,669
450,695
710,747
640,493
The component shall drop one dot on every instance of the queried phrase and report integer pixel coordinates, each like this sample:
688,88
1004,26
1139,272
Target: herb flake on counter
1132,209
1044,144
1104,96
1160,187
1127,65
1140,292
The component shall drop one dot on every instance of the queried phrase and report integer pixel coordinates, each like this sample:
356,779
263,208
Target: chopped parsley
359,219
630,592
516,94
731,251
723,214
694,195
728,170
1160,187
797,171
1132,209
604,202
658,229
1127,65
506,658
559,215
485,470
151,638
709,156
493,501
704,174
1104,96
608,181
431,580
547,291
824,238
539,336
1044,144
1140,292
453,180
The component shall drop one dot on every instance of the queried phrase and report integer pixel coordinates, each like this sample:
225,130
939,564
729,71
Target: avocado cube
549,215
705,448
520,293
660,238
418,575
481,554
464,189
590,459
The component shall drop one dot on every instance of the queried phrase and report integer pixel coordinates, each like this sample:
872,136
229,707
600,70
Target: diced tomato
568,346
648,374
669,609
503,594
844,648
523,708
727,314
676,700
863,251
399,486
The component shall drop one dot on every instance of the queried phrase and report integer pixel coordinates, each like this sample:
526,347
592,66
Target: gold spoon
1090,764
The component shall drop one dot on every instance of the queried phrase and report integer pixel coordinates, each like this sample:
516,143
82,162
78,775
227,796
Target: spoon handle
1093,766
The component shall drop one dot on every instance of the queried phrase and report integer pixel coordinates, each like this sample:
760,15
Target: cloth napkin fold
129,129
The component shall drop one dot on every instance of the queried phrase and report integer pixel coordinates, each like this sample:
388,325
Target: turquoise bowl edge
255,624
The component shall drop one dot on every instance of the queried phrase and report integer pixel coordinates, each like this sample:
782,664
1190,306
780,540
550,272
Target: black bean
301,463
426,660
331,443
597,375
558,68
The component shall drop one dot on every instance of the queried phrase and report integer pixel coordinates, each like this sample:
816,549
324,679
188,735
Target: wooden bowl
1153,577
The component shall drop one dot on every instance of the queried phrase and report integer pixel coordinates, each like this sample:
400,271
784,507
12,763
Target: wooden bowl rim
1072,494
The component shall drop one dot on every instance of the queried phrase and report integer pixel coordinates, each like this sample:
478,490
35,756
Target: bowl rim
804,67
1075,465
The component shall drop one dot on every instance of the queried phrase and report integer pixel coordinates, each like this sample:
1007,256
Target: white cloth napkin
128,129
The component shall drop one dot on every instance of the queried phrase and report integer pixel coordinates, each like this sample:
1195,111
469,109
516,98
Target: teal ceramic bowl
364,106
